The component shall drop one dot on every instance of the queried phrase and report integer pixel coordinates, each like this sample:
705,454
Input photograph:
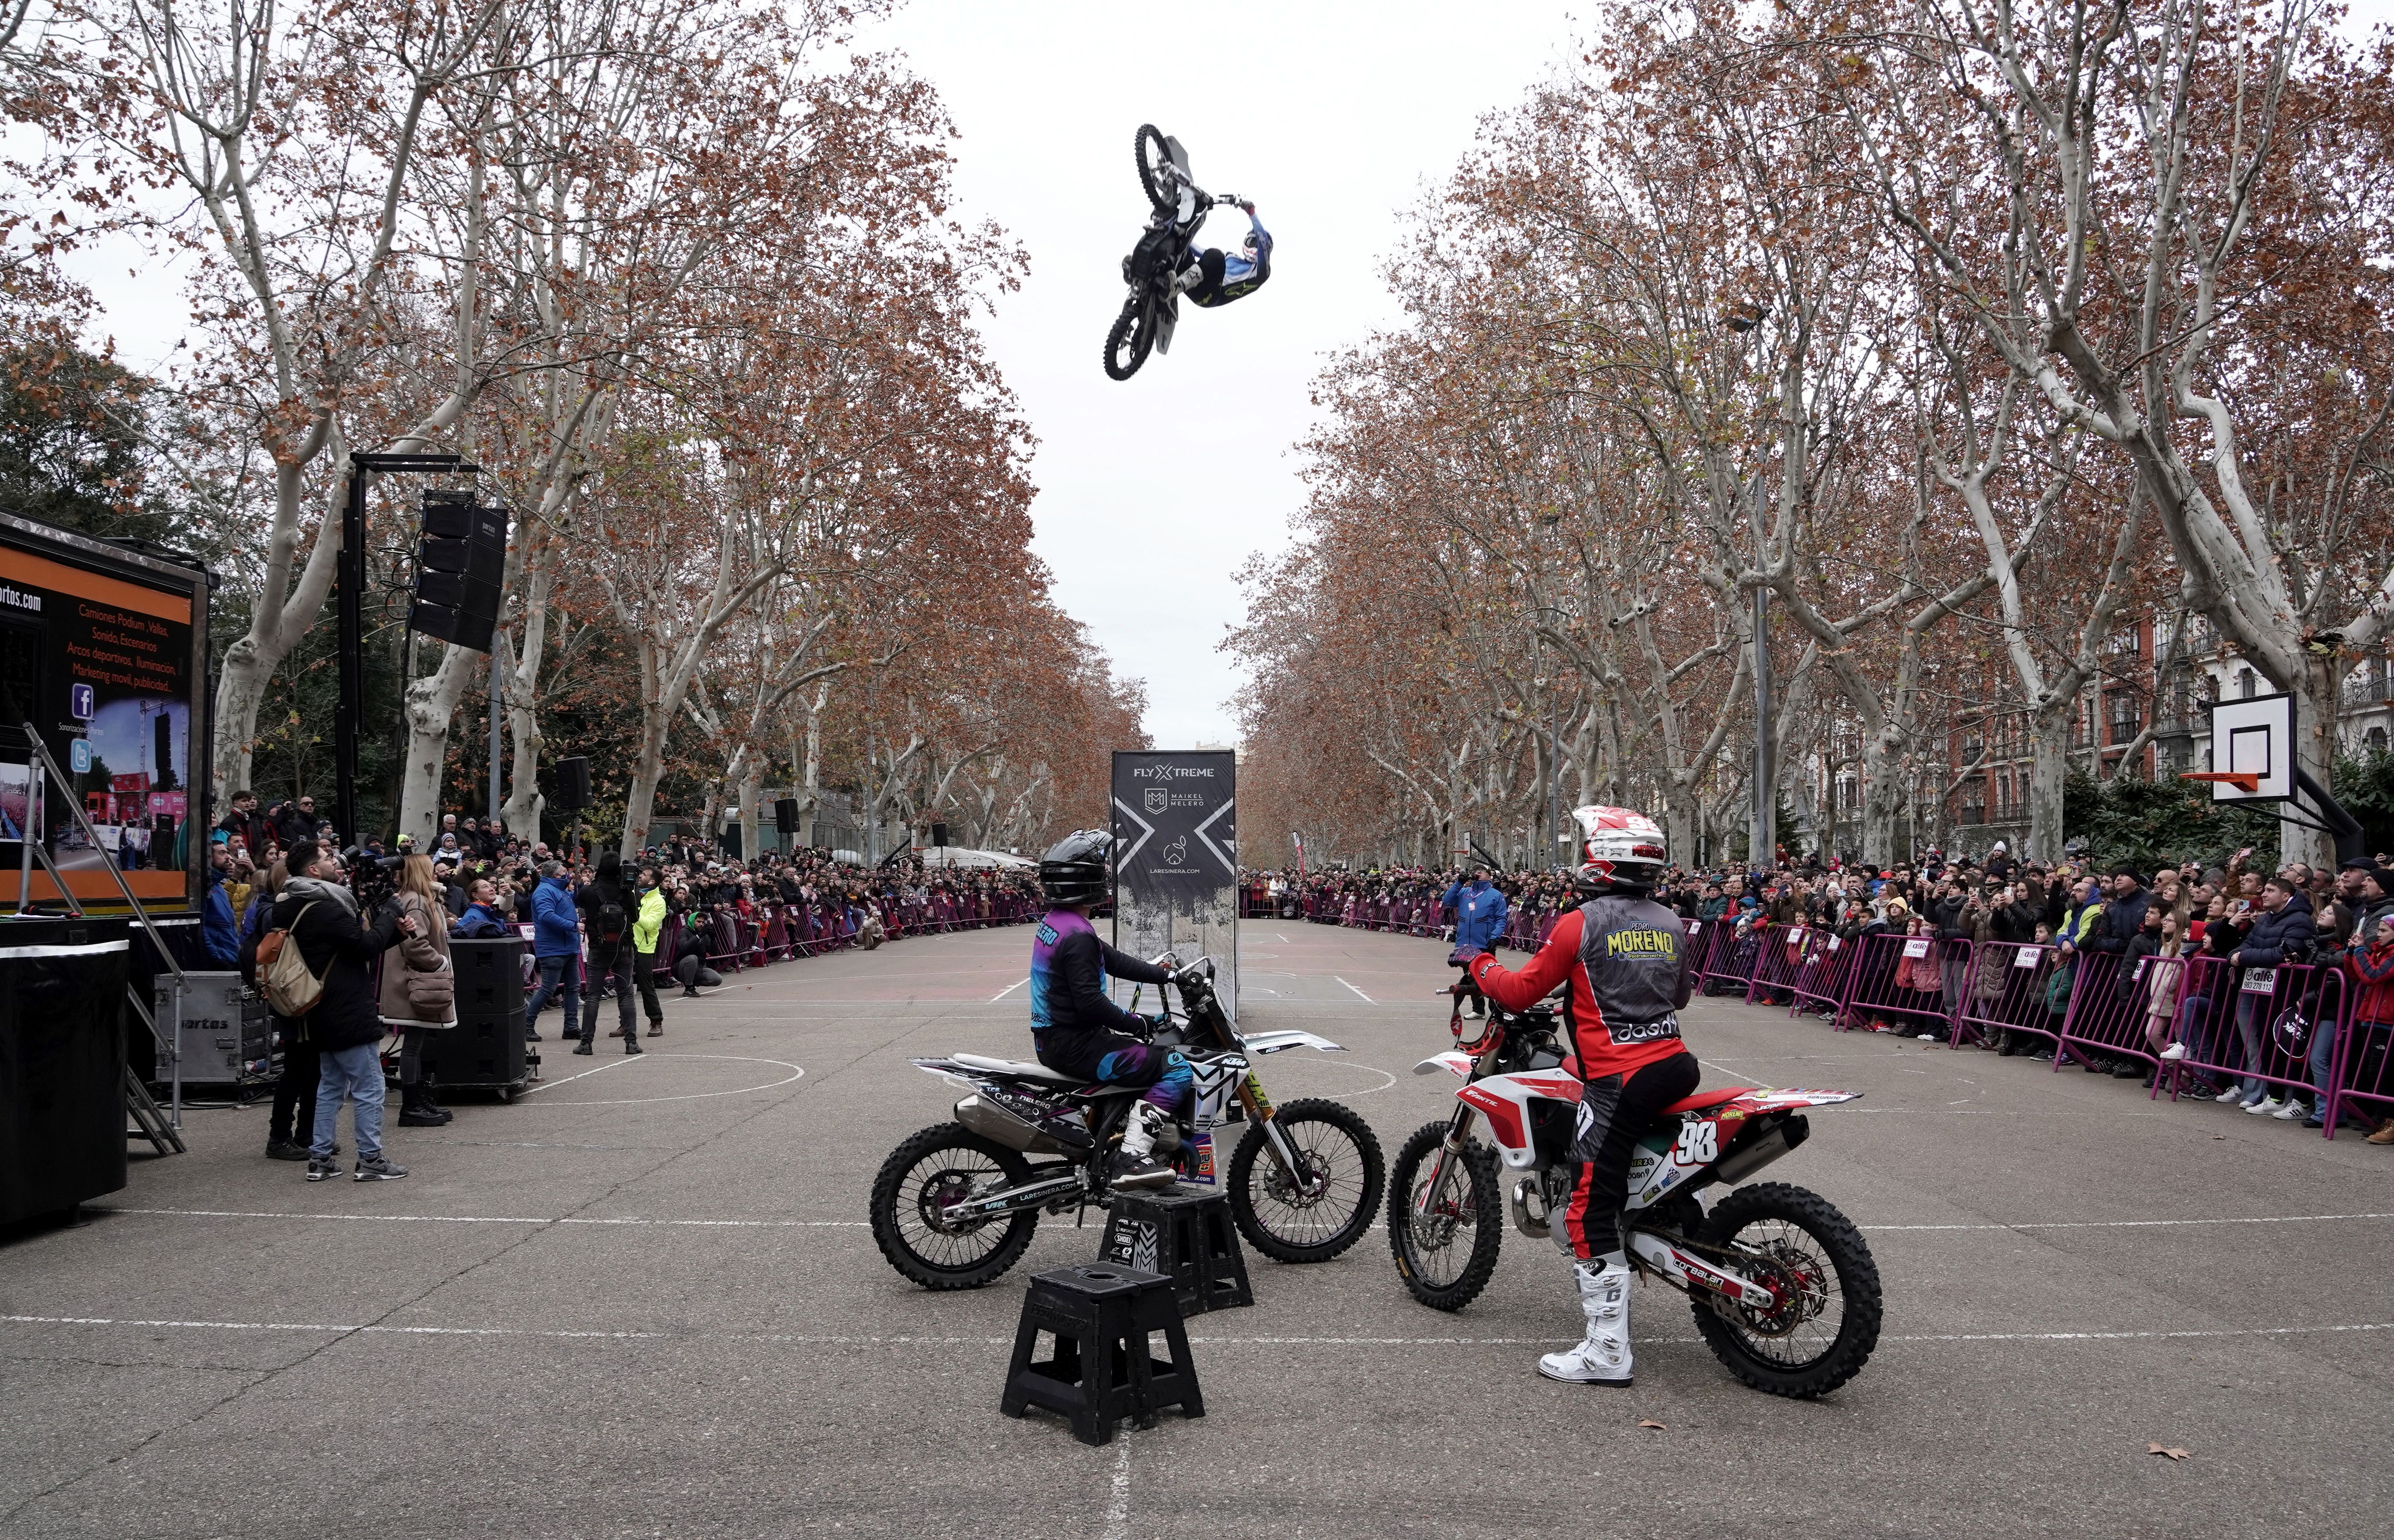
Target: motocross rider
1211,278
1622,955
1078,1029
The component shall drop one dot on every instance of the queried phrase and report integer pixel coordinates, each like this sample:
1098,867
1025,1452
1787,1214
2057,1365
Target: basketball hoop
2247,782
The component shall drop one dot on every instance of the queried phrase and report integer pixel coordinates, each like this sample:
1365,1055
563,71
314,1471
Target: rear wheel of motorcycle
1154,156
1132,337
1824,1334
1336,1147
1447,1255
937,1165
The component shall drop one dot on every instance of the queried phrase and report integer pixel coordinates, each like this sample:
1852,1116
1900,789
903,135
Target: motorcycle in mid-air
1152,269
954,1204
1784,1289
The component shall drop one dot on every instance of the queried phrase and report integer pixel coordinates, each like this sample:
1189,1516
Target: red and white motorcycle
1784,1287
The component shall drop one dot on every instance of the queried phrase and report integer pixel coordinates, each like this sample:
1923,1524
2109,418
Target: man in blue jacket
1478,919
218,931
2280,936
555,950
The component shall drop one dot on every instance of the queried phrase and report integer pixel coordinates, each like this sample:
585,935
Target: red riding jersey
1626,961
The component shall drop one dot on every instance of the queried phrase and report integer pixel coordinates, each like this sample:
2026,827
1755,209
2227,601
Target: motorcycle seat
1008,1066
1704,1101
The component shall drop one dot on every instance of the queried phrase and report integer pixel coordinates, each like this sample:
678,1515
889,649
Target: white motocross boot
1135,1163
1603,1358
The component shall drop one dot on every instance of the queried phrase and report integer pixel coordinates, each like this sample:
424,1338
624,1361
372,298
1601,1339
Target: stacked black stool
1102,1371
1188,1236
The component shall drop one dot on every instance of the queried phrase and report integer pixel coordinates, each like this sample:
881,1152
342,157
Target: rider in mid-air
1079,1030
1210,278
1624,957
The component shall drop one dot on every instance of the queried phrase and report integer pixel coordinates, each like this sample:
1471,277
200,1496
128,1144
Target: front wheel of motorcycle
1154,163
1445,1243
1318,1211
928,1175
1825,1320
1128,343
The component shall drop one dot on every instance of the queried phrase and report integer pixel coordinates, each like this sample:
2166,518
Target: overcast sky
1333,118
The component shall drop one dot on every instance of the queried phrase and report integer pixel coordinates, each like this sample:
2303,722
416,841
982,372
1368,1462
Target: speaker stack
485,1049
460,561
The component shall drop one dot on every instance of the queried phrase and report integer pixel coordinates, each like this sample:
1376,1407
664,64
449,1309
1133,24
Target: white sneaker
1603,1358
2267,1107
2292,1110
2233,1093
2174,1052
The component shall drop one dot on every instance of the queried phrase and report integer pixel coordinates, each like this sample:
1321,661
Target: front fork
1458,1133
1283,1154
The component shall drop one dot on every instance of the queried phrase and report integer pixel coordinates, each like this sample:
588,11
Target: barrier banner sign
1177,860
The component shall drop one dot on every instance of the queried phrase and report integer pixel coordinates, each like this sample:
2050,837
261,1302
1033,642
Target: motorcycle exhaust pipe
1537,1226
998,1125
1744,1162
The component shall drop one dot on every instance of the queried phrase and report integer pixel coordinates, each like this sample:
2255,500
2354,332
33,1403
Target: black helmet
1077,868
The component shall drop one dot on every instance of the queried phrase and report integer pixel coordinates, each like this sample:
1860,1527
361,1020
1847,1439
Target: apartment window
2245,684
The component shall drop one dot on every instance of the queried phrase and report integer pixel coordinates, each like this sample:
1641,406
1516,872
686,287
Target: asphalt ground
643,1301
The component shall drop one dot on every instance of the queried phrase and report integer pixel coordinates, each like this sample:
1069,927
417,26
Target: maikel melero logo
1641,943
1157,798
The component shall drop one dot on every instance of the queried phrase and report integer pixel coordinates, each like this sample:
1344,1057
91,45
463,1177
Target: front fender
1458,1063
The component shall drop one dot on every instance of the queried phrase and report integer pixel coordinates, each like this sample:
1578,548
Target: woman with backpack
419,992
606,915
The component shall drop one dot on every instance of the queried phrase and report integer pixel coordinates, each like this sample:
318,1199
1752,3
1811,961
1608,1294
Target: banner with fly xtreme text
1177,860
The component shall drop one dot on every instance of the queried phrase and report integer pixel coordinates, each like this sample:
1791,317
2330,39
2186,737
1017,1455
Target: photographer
345,1026
608,918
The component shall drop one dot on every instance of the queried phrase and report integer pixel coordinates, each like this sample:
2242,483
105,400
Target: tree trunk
2049,768
1883,796
524,804
750,780
2316,695
431,706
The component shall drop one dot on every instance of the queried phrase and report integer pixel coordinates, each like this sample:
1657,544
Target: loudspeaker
785,816
572,784
485,1049
460,562
940,835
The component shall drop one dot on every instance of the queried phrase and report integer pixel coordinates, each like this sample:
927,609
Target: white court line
484,1219
1008,990
1118,1502
2145,1224
837,1341
627,1058
1365,998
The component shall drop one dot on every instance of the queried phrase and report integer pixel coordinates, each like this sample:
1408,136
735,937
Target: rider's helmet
1076,868
1621,851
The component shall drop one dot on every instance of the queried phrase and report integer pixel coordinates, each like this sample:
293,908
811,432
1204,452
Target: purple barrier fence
1820,983
1778,960
2110,1008
2010,989
1916,978
2237,1024
1727,958
2359,1070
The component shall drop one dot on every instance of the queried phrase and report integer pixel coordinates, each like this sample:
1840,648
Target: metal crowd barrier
1911,977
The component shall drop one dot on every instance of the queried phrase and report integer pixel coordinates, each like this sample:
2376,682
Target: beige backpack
283,975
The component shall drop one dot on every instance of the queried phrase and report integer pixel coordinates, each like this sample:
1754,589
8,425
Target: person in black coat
346,1025
607,913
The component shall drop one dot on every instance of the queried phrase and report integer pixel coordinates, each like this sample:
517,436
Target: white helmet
1619,849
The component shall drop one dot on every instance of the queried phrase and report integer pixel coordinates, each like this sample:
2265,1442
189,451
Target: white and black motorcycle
1785,1291
1152,269
955,1205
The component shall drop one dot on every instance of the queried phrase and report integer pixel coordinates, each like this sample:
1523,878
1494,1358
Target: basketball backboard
2252,749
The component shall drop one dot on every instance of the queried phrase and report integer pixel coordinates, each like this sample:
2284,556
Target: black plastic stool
1188,1236
1102,1371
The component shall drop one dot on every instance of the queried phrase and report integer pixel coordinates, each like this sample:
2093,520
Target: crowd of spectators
2329,927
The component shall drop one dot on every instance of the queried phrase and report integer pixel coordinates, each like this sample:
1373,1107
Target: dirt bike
955,1205
1152,269
1784,1290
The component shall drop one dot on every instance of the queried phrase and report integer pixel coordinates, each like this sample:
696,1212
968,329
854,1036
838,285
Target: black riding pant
619,969
1615,1113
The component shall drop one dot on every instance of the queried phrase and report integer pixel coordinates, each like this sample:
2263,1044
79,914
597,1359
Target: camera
374,879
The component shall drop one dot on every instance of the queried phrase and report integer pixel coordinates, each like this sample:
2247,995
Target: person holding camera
607,917
320,916
419,992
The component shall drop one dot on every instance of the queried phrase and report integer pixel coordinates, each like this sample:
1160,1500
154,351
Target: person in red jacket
1624,961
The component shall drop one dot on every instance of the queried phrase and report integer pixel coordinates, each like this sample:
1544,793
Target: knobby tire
1131,332
890,1198
1160,192
1856,1275
1253,1163
1478,1171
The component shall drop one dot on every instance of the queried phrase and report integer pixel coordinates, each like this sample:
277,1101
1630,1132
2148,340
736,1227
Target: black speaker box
485,1049
940,835
572,784
785,816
